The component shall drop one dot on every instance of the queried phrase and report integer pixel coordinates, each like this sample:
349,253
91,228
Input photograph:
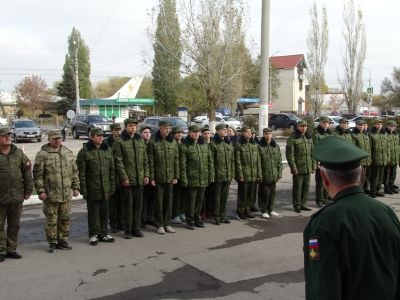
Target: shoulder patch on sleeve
313,249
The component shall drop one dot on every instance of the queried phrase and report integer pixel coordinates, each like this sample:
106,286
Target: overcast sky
33,36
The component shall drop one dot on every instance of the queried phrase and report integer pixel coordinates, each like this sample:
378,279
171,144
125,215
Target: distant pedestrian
16,186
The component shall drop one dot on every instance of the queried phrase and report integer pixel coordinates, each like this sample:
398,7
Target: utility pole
264,70
78,106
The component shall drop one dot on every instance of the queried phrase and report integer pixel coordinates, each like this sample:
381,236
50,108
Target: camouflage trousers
266,197
301,185
12,215
320,192
245,196
57,220
194,202
221,193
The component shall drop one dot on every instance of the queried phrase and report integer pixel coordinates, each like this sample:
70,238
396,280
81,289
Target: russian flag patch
313,249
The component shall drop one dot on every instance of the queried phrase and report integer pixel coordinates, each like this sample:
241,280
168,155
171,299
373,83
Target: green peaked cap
338,154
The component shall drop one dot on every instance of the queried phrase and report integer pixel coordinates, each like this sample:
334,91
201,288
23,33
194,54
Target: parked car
81,125
283,121
3,122
152,123
25,129
232,122
202,118
333,121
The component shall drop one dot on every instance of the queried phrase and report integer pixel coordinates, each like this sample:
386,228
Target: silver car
25,129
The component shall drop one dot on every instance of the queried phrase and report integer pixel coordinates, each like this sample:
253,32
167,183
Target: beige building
292,91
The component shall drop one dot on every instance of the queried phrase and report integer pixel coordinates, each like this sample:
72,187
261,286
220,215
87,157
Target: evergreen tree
167,58
66,88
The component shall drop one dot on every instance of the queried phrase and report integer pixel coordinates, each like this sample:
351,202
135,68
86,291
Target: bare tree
317,44
354,55
213,48
32,93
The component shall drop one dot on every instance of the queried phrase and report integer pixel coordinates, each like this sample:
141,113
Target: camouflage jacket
361,140
131,161
15,177
393,145
224,160
380,150
320,133
247,161
299,153
343,133
163,158
196,163
55,173
96,171
271,161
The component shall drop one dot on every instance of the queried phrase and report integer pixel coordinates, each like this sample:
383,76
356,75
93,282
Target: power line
106,24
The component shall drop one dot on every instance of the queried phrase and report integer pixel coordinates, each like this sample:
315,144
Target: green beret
115,126
164,123
4,130
176,129
324,119
194,128
245,128
302,122
130,121
391,122
361,122
96,131
267,130
54,134
343,120
377,121
338,154
205,129
221,126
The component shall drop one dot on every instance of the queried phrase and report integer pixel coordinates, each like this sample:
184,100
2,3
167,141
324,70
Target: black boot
388,190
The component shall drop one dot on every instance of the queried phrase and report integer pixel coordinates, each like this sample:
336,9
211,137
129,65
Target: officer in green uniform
164,173
207,207
351,246
343,131
271,166
132,169
224,170
299,150
248,172
178,207
16,186
196,173
56,180
389,175
321,132
379,154
360,138
97,181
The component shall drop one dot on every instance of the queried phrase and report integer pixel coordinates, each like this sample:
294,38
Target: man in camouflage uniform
115,203
271,166
248,171
164,173
97,181
360,138
343,131
196,173
56,179
16,186
299,151
132,169
178,207
393,158
322,131
207,207
224,170
379,154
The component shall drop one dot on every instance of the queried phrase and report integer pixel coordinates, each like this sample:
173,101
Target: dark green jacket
361,140
393,145
352,250
163,158
299,153
55,173
271,161
224,160
320,133
343,133
196,163
96,171
15,177
247,161
379,147
131,161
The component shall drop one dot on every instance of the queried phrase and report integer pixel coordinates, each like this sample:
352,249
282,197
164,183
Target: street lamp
78,106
